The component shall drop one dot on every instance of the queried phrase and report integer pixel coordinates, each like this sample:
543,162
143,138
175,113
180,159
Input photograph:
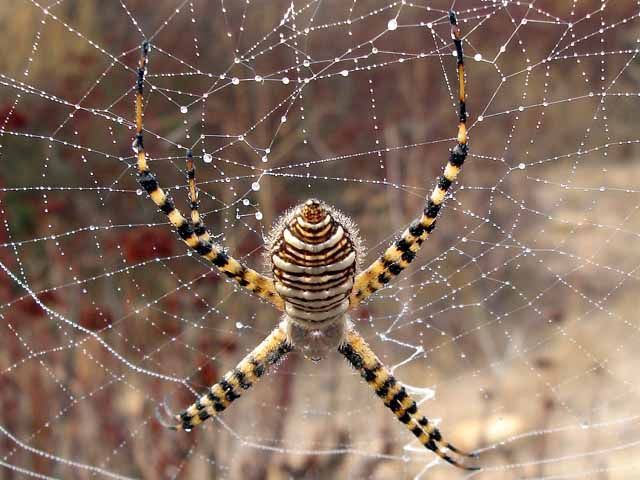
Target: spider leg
399,255
219,396
199,228
396,398
188,232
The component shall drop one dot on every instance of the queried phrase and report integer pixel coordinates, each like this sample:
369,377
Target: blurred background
516,327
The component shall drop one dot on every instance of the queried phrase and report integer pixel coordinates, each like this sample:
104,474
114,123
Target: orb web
514,328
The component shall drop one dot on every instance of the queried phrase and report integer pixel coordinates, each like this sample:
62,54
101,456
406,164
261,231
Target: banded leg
399,255
396,398
246,277
199,228
241,378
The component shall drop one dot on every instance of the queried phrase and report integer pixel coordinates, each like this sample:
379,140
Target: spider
313,252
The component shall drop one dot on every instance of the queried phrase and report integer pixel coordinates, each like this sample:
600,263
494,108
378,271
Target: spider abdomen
314,264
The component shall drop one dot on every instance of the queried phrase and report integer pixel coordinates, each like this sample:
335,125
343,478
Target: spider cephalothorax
313,253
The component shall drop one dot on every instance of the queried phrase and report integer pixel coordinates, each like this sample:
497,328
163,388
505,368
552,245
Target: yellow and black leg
234,383
396,398
399,255
191,232
199,228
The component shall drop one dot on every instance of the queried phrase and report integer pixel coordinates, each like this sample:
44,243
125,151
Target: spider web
516,327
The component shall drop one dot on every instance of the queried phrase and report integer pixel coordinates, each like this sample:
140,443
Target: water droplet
477,57
521,166
235,80
258,78
265,159
392,24
184,109
344,73
139,192
207,158
283,119
239,325
306,62
374,50
285,80
255,186
120,119
258,215
245,202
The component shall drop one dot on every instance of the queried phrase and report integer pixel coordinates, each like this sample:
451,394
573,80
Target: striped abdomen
314,264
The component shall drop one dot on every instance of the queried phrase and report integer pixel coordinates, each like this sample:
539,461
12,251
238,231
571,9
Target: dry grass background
544,348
